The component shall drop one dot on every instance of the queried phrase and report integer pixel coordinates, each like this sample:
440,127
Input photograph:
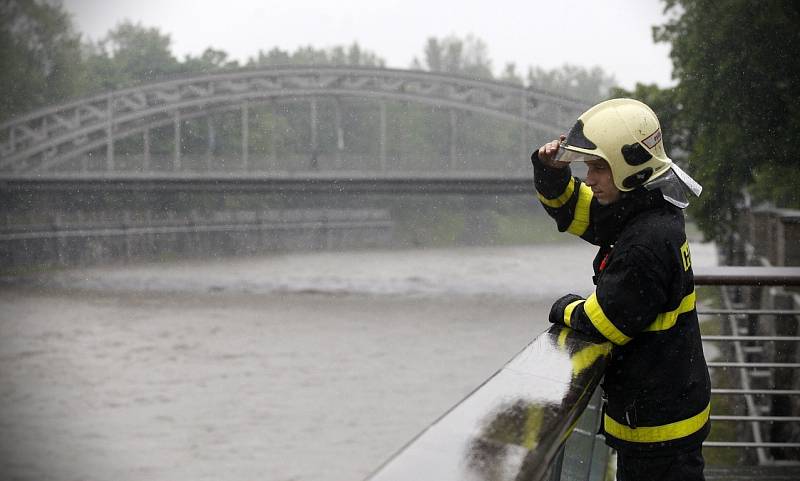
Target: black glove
557,311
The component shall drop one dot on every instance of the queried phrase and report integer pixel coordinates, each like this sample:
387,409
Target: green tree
589,84
40,56
736,64
130,54
468,56
209,61
339,55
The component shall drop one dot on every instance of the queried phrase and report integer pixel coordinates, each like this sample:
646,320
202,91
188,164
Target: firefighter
656,385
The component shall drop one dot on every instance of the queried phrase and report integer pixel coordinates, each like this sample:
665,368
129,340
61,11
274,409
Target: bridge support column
382,139
314,119
453,133
211,142
273,151
245,136
525,149
339,132
146,147
110,134
176,161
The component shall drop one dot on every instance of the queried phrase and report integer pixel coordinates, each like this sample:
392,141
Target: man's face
601,181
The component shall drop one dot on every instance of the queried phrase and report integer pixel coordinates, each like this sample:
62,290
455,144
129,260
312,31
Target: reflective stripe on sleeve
655,434
561,199
666,320
568,311
580,221
595,313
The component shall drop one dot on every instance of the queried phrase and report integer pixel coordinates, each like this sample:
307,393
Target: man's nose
590,180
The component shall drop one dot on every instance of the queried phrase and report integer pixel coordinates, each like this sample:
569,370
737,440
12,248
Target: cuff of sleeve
563,306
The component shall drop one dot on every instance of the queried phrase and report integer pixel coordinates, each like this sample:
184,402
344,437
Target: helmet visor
566,155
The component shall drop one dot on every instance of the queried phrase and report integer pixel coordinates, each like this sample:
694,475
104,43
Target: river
303,366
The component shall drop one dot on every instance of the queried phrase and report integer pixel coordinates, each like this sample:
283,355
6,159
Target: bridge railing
75,241
538,417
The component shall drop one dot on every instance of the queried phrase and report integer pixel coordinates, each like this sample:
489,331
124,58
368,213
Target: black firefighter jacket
657,383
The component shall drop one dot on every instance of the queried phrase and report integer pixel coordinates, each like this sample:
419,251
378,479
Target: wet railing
515,424
538,417
755,386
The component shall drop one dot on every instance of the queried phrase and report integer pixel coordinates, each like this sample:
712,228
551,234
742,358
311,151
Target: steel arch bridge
52,141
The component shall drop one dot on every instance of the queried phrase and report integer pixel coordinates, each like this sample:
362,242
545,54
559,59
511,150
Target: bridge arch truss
39,142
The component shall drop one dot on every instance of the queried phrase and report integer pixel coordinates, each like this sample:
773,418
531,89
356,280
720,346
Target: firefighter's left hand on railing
557,311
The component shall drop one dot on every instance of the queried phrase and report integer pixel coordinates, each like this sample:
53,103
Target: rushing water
310,366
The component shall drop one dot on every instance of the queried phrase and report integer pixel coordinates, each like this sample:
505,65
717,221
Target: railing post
785,325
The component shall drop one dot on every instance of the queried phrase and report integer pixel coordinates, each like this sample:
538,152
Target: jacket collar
611,219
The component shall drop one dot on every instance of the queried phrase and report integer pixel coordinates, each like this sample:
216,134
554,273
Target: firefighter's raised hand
547,154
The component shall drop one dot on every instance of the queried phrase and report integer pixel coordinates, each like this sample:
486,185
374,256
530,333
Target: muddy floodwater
313,366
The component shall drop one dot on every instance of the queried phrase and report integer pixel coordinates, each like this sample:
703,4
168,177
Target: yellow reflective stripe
568,311
562,338
655,434
561,199
666,320
588,356
595,313
580,221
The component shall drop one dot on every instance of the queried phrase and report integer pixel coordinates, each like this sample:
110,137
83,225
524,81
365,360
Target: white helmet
627,134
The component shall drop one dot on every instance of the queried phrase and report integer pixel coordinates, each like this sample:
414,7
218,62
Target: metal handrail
776,392
752,338
759,312
745,364
733,417
758,277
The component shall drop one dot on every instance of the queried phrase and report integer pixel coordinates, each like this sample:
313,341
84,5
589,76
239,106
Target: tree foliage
50,64
352,55
129,54
468,56
736,63
40,54
591,85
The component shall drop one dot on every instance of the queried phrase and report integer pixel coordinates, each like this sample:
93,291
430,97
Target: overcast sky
614,34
